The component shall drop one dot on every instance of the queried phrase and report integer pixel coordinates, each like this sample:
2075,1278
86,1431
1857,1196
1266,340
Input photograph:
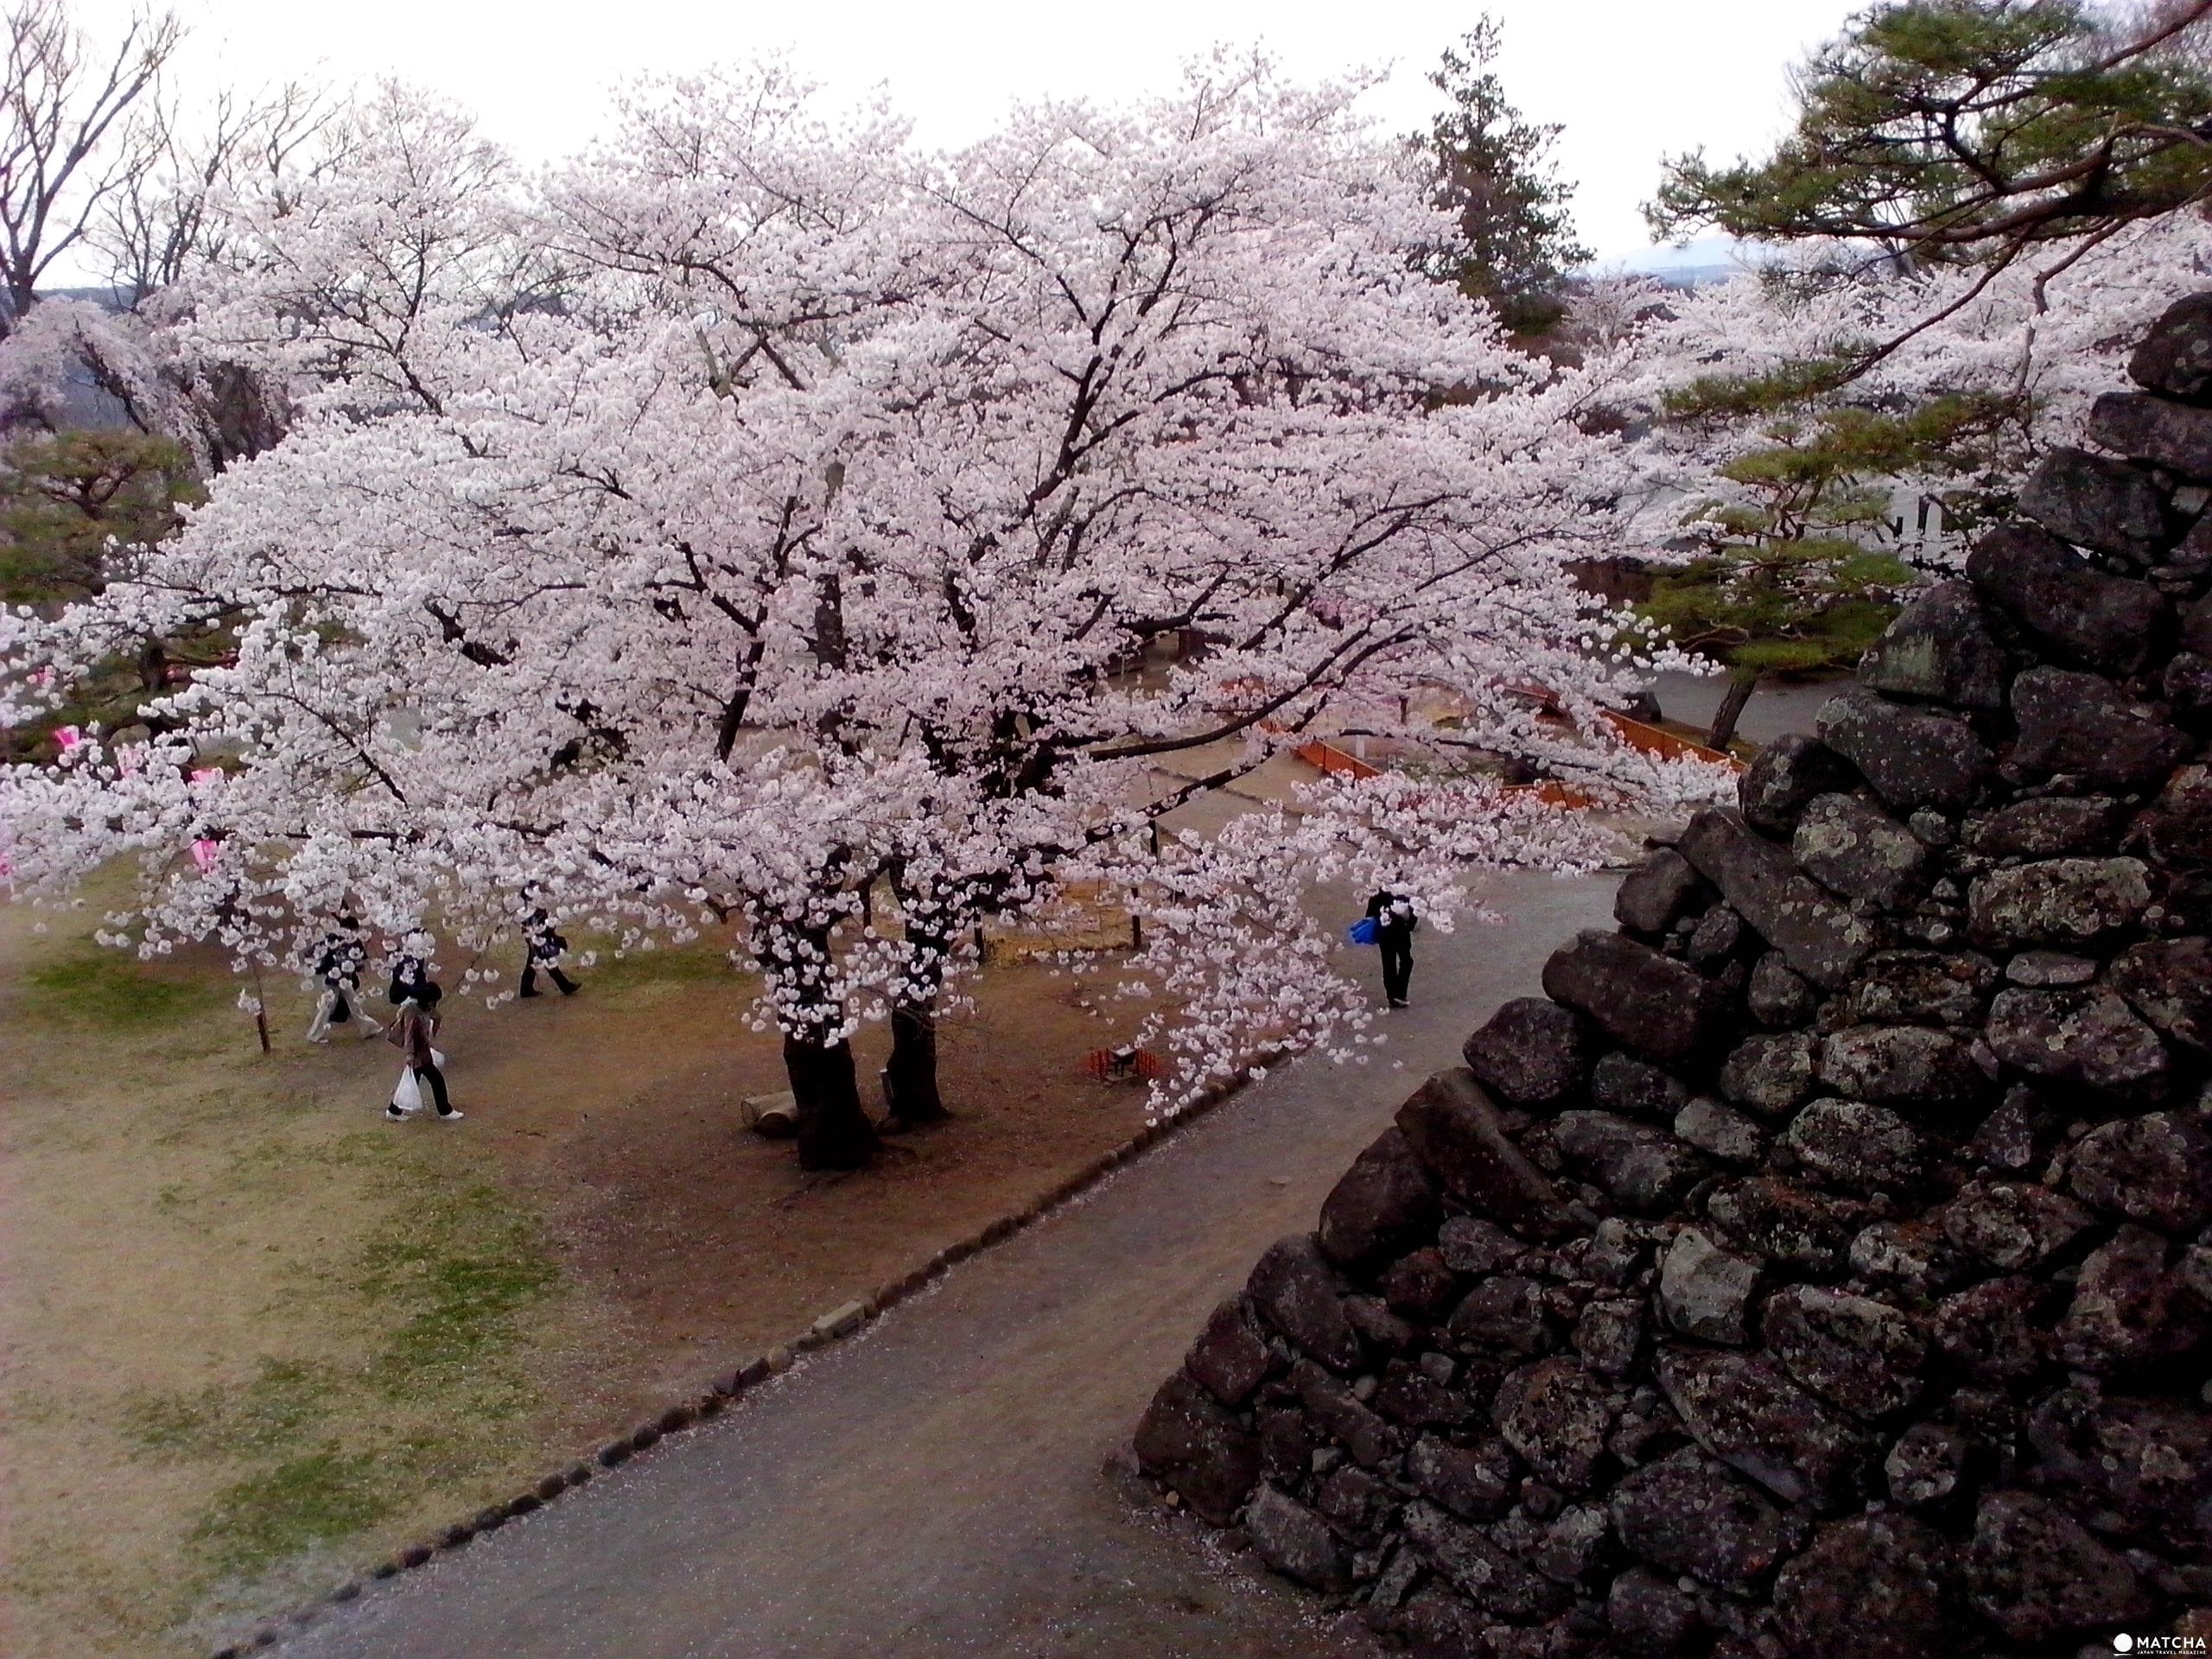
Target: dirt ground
254,1334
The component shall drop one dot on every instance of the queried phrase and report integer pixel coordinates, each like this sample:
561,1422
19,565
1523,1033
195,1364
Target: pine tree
1937,143
1972,132
72,503
1792,578
1492,170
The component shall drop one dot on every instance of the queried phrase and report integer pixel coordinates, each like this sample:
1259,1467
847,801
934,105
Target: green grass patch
458,1270
119,992
689,964
429,1313
286,1403
320,1497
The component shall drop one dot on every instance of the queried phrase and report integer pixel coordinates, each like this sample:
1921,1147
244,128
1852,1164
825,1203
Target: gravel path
935,1487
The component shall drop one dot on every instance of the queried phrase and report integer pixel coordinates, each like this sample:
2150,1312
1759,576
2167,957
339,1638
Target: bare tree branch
68,141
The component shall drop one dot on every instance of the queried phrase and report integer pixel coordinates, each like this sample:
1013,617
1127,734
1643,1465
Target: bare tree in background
67,143
159,218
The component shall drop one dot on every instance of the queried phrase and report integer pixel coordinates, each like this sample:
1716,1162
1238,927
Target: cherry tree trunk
911,1078
833,1132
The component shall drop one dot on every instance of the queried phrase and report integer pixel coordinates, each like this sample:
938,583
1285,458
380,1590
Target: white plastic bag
405,1094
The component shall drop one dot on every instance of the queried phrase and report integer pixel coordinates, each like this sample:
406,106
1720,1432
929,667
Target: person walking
411,1033
410,968
1394,922
340,966
545,948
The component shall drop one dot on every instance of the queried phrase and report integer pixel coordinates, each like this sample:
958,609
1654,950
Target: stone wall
1821,1267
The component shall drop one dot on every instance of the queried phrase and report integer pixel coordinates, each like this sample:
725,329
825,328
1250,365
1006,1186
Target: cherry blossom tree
1231,944
763,515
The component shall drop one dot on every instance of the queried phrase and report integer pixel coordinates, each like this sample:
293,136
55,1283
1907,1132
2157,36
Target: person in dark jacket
1394,922
545,947
339,966
411,1033
410,968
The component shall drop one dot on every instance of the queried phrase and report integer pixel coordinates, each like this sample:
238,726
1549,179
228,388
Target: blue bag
1361,931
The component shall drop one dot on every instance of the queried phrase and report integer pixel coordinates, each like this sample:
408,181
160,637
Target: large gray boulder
1480,1569
1859,852
1913,759
1939,650
2039,1574
1706,1290
1186,1441
2093,502
2156,1169
1901,1065
2048,827
2175,356
2177,828
1453,1127
2085,1036
1785,775
2169,983
1655,892
2082,724
2063,901
1295,1541
1645,1169
1383,1204
1642,999
1857,1145
2108,623
1691,1514
1293,1289
1817,937
1532,1052
1854,1351
1232,1357
1771,1075
2156,429
1554,1416
1877,1587
1746,1412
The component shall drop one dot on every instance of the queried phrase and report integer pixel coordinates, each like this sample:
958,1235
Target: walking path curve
935,1486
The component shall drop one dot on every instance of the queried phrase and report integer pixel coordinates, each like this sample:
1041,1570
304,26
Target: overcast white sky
1632,80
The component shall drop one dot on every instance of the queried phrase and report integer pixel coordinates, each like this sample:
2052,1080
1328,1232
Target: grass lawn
256,1336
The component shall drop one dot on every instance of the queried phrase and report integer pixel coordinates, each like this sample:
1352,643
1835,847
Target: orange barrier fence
1666,745
1552,793
1333,761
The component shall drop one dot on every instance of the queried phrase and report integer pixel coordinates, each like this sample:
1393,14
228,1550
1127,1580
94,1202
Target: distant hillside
1708,260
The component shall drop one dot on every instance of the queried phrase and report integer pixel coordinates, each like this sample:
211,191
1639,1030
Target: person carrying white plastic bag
410,1034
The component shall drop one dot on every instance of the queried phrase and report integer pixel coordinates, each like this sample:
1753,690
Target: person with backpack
1394,922
340,966
545,948
410,1034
